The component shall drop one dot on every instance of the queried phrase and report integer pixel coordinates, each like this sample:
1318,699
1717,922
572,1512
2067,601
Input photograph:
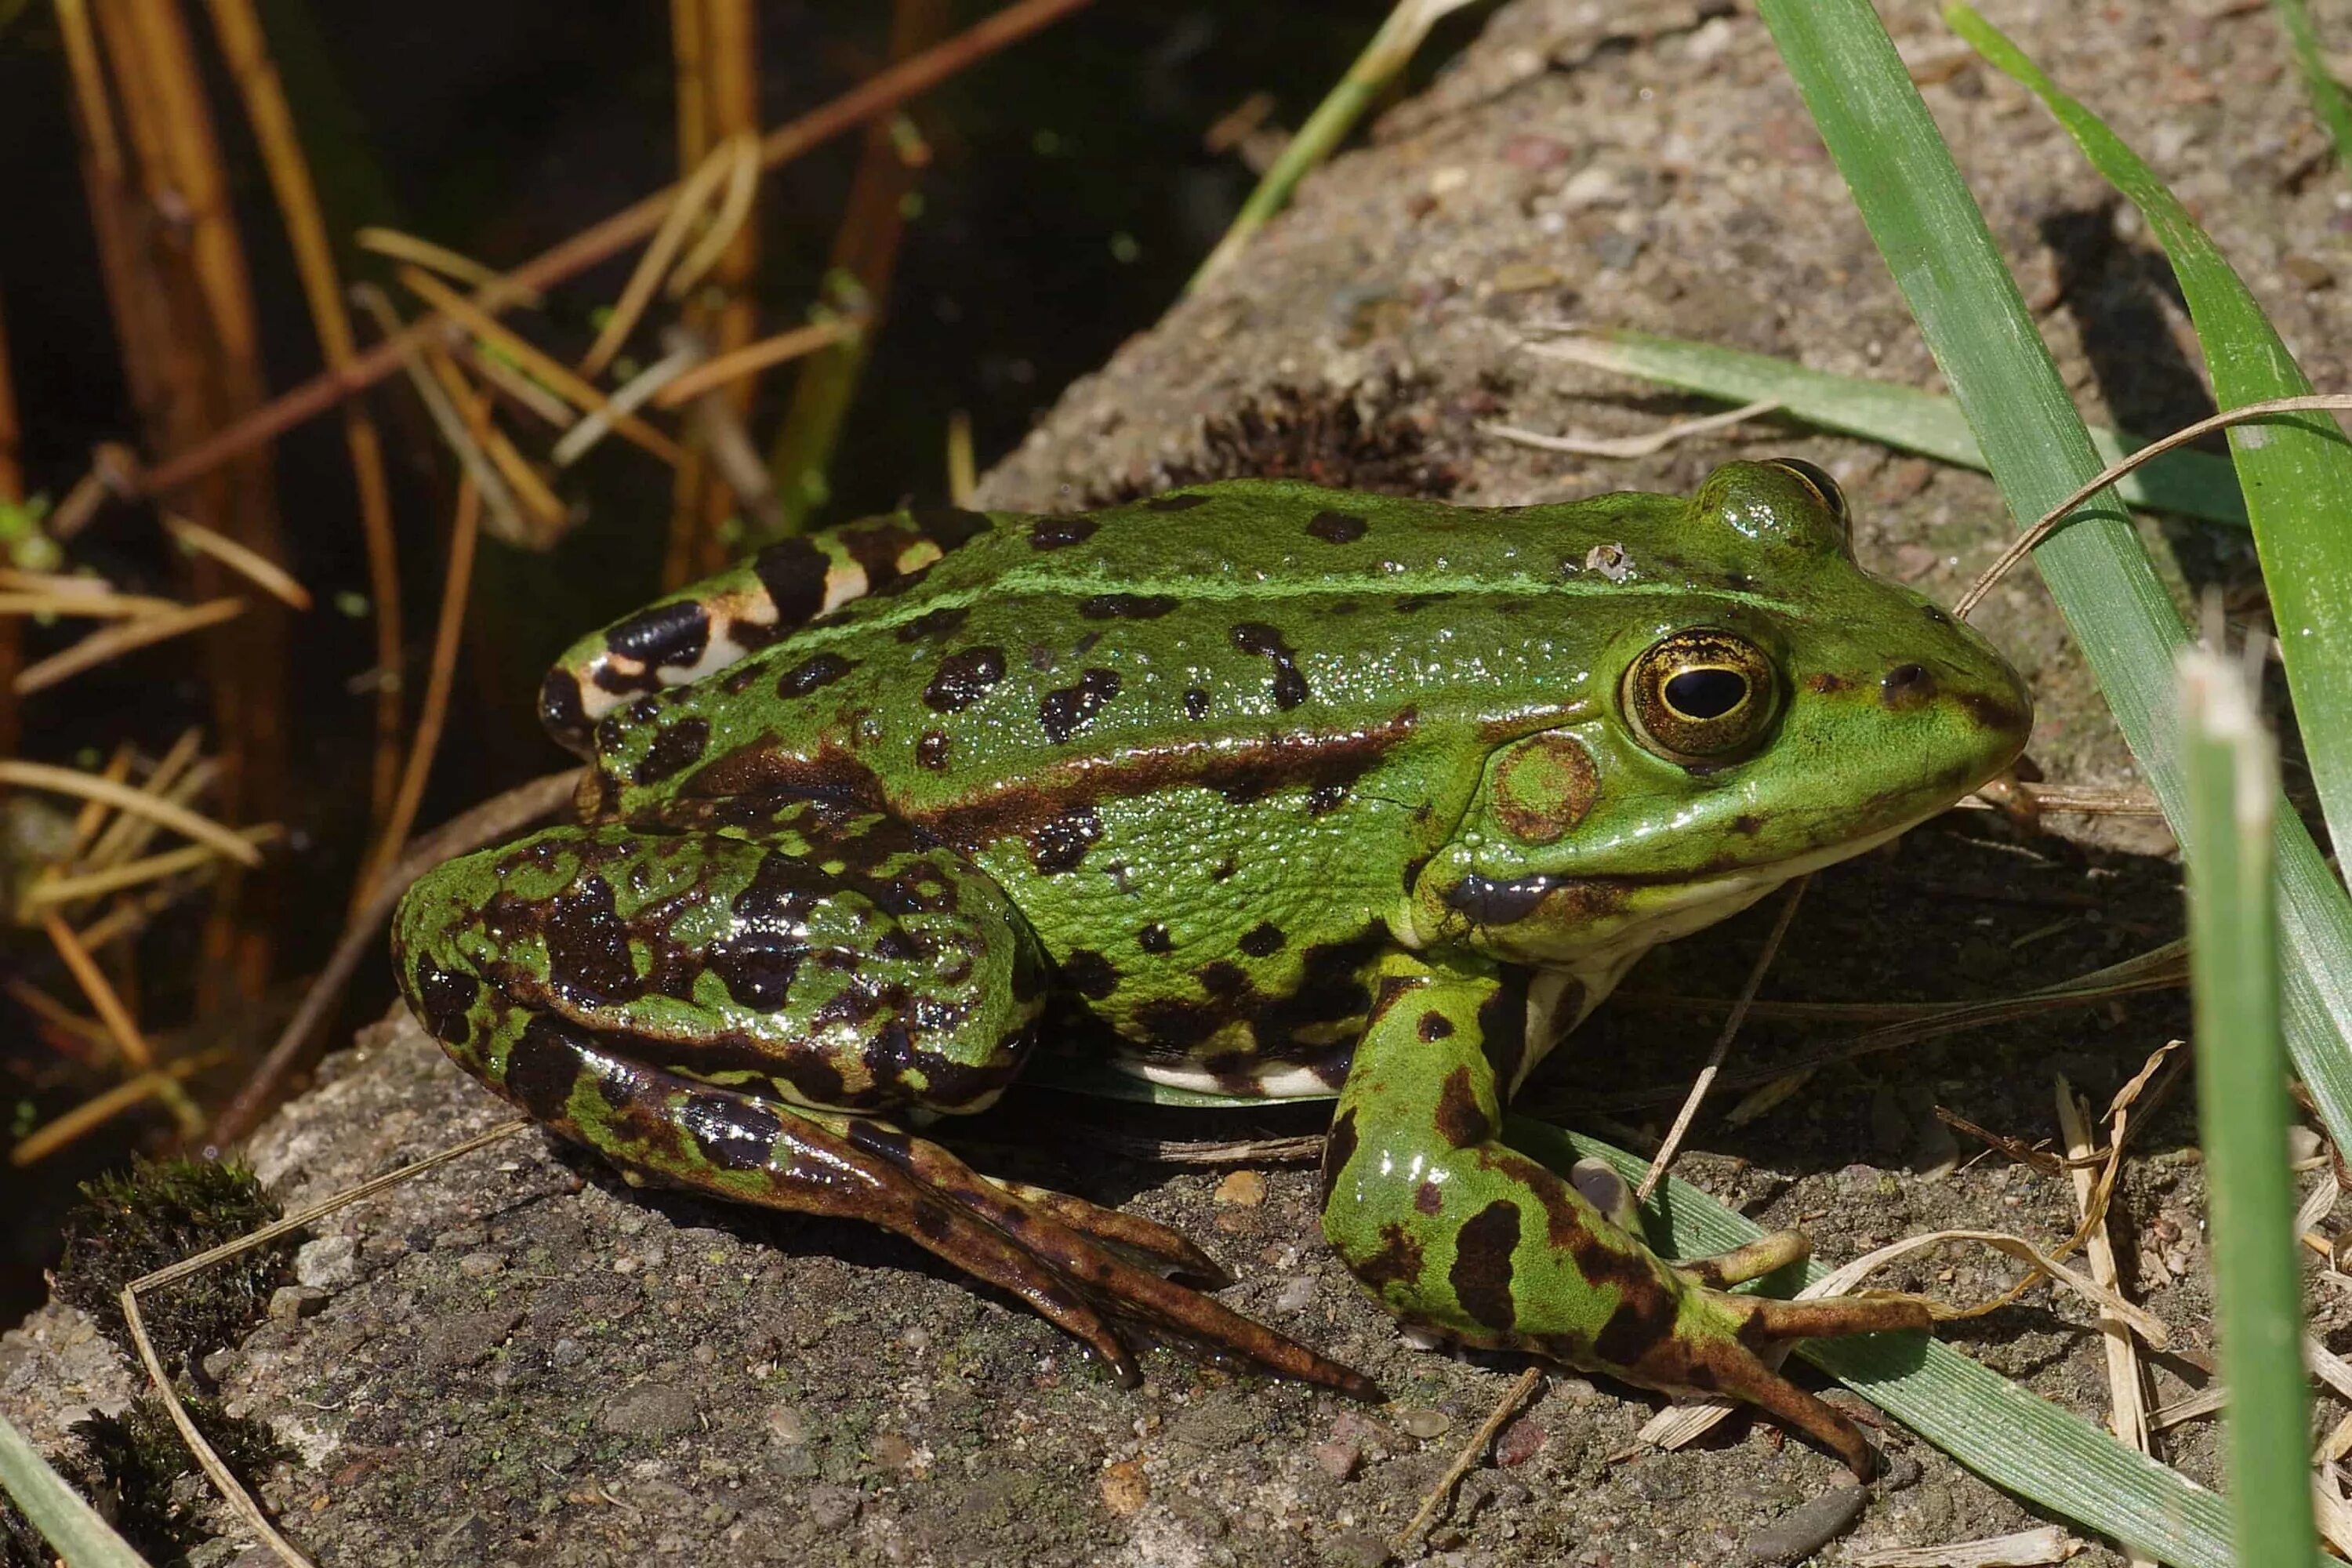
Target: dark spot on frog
1936,614
1336,527
933,624
443,998
1459,1120
1338,1148
1066,710
1127,606
1257,637
813,674
1906,687
1434,1027
1502,1029
1748,825
1225,869
1178,1024
587,945
676,747
543,1066
1262,939
1412,870
671,633
1991,713
931,751
963,677
1413,604
561,709
793,572
1643,1322
1059,844
1481,1275
1428,1198
1486,901
756,967
1196,702
733,1131
1061,533
1089,973
1223,978
1398,1261
1825,684
950,527
1175,503
1324,798
612,729
742,679
643,711
1154,938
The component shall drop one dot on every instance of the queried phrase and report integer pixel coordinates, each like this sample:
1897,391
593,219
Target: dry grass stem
2026,1549
693,197
440,258
964,472
98,1110
621,408
120,1028
1632,446
73,889
756,357
121,637
2049,522
727,221
122,798
419,361
1440,1494
548,372
1707,1074
2127,1381
262,572
85,606
543,512
54,1013
515,386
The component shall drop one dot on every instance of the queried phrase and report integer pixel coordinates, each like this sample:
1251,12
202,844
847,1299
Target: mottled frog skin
1254,787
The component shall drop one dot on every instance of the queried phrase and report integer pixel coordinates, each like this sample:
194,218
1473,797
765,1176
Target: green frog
1253,788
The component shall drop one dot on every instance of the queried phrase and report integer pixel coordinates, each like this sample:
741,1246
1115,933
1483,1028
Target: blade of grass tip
2326,93
2005,1433
2296,469
2189,484
57,1510
2242,1110
1975,321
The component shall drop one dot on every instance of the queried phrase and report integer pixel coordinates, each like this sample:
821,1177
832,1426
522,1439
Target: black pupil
1706,693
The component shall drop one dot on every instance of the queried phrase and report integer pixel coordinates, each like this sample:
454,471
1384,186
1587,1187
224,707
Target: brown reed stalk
246,50
171,207
717,48
12,492
866,253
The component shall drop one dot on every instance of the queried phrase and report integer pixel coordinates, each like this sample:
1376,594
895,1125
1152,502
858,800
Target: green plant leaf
57,1510
2318,80
2189,483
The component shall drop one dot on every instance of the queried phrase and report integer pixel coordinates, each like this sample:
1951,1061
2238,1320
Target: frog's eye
1818,480
1702,695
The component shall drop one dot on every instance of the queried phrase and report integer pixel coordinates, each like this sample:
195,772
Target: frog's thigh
1452,1228
823,958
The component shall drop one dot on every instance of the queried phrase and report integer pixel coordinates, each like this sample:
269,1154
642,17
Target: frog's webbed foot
1140,1240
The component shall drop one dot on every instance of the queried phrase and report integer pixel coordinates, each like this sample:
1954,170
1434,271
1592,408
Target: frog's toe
1153,1245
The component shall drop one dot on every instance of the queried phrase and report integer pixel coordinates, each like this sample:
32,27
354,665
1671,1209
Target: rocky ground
519,1359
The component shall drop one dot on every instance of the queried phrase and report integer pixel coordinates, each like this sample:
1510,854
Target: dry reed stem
12,491
419,359
877,95
541,508
1657,440
120,1028
84,606
1739,1015
464,532
122,798
179,778
734,204
245,47
98,1110
128,917
261,571
551,373
224,1482
518,387
91,816
2126,1383
705,181
753,358
453,265
964,472
73,889
54,1013
120,638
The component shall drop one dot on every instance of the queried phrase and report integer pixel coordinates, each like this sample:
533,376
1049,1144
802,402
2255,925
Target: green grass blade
2326,92
57,1510
2188,483
2296,469
1934,241
2242,1112
2011,1435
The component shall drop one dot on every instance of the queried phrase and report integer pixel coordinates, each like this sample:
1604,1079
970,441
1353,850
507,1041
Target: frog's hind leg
1607,1191
1143,1240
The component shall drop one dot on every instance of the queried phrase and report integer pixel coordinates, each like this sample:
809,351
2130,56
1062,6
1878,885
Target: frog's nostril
1907,686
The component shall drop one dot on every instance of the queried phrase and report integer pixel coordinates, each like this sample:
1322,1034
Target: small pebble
1519,1442
1339,1459
1357,1548
1424,1423
786,1426
567,1353
892,1451
831,1506
480,1264
1241,1189
1297,1295
288,1303
327,1263
2310,274
652,1410
1124,1488
2302,1144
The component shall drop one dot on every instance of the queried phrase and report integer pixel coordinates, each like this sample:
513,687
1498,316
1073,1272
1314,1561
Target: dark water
1069,196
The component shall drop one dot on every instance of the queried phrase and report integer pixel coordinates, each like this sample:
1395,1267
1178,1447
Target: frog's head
1759,706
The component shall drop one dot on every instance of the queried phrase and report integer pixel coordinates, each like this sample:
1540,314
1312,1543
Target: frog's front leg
1452,1229
735,1008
